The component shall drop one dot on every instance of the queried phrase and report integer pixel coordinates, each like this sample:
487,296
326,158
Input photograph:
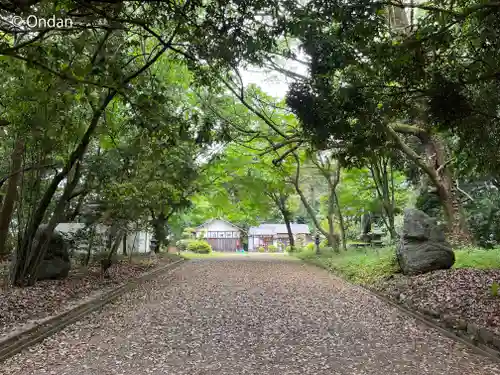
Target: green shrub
327,250
261,250
311,246
297,249
199,246
483,215
182,245
300,240
272,248
188,233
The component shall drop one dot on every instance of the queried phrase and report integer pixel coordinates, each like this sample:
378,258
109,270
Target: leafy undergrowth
362,266
19,306
466,291
473,257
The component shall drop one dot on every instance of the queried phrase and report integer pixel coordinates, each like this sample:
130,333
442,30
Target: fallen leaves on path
461,293
21,306
266,317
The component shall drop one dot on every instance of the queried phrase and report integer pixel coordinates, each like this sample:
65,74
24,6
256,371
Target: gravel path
253,316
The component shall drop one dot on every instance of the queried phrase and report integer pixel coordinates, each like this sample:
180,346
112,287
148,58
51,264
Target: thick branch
413,156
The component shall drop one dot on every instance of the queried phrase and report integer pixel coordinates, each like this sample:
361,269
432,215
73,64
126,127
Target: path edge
475,346
24,339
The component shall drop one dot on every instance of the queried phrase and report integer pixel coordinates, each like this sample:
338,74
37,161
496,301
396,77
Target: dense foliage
137,117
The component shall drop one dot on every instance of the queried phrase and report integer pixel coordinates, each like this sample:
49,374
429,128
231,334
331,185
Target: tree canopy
137,114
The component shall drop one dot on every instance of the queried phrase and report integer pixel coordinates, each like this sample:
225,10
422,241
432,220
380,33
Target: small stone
485,336
448,321
472,329
461,324
434,313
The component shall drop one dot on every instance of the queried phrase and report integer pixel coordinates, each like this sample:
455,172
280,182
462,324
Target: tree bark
11,194
116,244
310,211
437,169
77,154
452,208
90,245
124,246
378,168
341,222
332,178
281,203
307,206
159,223
160,227
37,254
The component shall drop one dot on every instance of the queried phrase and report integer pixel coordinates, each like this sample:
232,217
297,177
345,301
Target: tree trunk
439,173
452,208
341,222
125,246
74,214
116,244
310,211
90,245
159,223
436,167
37,254
77,154
307,206
281,202
378,168
11,194
332,236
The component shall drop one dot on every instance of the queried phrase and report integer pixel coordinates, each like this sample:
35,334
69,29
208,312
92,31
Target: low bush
311,246
182,245
272,248
261,250
199,247
327,250
188,233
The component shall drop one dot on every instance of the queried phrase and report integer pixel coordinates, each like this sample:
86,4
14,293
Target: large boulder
55,268
422,246
56,263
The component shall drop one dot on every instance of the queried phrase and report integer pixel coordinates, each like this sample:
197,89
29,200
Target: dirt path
253,316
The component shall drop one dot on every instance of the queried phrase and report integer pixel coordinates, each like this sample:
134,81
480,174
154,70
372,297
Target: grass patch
366,266
356,265
473,257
